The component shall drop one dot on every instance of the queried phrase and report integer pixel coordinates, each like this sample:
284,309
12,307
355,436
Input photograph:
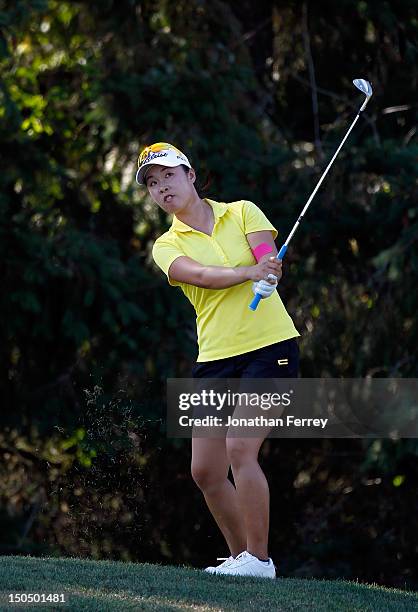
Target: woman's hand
261,270
265,288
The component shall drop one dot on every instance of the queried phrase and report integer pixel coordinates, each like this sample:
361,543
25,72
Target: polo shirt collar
219,209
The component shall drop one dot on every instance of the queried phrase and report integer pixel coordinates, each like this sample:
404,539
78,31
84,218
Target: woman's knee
241,451
209,476
209,465
206,477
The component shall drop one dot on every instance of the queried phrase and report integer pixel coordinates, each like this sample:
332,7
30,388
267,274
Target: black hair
200,186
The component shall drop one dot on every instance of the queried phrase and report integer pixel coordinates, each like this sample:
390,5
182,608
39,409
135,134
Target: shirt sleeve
164,252
255,220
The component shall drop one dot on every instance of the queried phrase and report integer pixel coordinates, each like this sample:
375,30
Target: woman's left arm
263,237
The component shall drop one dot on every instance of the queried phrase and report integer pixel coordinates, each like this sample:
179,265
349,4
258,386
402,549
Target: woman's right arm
187,270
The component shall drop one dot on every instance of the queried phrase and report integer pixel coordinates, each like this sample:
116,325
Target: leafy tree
259,96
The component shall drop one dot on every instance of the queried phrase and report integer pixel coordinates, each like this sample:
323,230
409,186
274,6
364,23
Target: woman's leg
210,466
252,492
250,482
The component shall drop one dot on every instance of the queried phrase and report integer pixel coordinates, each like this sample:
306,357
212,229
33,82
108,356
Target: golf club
365,87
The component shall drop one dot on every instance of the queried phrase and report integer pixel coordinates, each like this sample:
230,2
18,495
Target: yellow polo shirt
225,324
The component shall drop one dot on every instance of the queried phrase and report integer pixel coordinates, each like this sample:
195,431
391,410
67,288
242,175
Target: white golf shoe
245,564
226,563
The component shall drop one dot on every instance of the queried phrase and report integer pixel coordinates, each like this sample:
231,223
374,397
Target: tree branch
312,79
371,121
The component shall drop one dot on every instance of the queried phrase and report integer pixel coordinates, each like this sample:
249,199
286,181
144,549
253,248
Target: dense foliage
258,95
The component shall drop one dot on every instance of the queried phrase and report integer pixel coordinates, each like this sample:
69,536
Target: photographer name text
259,421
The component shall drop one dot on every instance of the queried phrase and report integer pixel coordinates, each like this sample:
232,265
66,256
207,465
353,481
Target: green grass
106,585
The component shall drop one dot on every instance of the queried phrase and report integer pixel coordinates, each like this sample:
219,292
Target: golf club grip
257,296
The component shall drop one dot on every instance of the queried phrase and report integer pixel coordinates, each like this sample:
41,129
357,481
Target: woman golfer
217,252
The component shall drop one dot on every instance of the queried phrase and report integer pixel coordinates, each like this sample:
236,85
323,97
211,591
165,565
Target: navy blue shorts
280,360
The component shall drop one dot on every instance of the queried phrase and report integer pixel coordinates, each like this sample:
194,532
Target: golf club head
364,86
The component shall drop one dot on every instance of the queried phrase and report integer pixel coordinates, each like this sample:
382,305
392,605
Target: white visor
165,157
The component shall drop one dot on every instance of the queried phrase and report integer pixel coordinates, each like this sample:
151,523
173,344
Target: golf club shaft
281,253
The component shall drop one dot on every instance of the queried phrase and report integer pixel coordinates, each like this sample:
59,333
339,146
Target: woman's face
170,188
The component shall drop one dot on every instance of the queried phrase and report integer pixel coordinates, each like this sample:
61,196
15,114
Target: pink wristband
261,249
